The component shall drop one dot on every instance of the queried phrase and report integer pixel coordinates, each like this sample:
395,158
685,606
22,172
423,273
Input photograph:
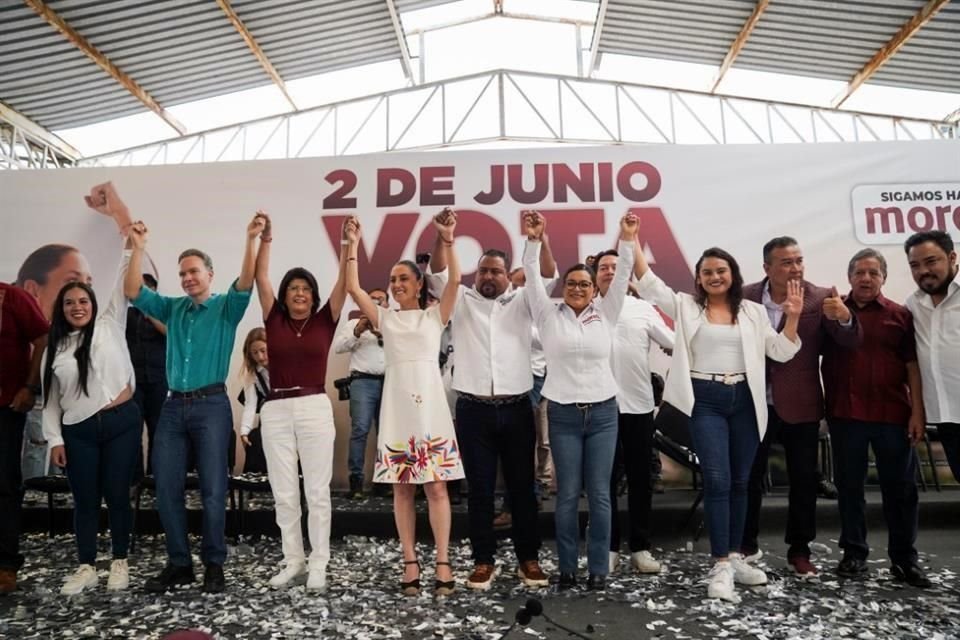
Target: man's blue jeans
724,431
206,424
365,394
584,440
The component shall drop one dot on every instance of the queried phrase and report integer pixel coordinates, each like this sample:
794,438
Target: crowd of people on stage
550,393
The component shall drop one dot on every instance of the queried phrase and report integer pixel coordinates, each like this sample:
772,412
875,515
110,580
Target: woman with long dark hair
416,443
718,378
297,419
91,422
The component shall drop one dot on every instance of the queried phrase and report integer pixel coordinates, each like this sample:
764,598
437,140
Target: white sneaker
720,583
317,580
744,573
290,572
754,557
644,562
614,559
85,577
119,575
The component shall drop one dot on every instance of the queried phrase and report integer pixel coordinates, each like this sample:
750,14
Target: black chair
49,485
672,437
246,483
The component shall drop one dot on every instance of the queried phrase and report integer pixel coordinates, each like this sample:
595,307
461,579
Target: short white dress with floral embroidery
416,442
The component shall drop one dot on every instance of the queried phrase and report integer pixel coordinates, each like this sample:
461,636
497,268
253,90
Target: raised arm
640,266
617,293
338,296
116,309
351,231
535,293
265,291
438,260
448,299
249,266
104,199
548,266
133,279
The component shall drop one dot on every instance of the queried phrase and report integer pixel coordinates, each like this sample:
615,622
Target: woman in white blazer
718,378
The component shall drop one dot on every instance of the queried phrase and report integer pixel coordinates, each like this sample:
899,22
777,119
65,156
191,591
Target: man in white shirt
936,319
494,418
638,325
365,346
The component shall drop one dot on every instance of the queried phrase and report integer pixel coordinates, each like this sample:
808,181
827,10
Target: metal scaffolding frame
521,106
24,145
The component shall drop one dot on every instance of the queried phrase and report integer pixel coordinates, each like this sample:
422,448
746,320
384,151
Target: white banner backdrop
833,198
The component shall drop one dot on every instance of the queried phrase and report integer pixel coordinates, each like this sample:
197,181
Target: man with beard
494,417
936,307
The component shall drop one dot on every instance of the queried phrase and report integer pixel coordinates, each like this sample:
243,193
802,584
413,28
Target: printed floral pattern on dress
426,460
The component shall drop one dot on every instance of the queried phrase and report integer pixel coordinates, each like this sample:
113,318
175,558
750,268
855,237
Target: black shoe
356,488
566,581
851,567
596,583
213,580
826,489
911,574
171,575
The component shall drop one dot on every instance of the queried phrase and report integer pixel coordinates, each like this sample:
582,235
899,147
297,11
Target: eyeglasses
578,284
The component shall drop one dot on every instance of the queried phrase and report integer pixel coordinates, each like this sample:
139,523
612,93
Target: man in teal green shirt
201,328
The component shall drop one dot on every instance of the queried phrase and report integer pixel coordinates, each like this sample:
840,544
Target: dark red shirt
299,361
21,322
869,383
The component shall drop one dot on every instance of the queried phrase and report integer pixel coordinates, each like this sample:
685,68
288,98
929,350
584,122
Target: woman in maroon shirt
297,418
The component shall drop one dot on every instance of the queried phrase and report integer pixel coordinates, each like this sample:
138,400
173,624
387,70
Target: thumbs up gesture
834,308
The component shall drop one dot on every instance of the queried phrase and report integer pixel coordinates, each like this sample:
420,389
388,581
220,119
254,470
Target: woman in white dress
416,443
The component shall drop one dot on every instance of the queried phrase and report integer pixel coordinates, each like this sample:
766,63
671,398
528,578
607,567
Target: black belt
366,376
495,400
202,392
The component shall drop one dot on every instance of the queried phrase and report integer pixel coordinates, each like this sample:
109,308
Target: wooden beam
402,42
739,42
34,130
255,48
128,83
597,32
887,51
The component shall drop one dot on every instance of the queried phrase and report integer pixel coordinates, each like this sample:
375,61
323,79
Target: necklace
303,324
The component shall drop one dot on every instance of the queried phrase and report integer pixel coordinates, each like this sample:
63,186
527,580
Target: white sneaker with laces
720,582
614,559
644,562
85,577
744,573
290,572
317,580
119,575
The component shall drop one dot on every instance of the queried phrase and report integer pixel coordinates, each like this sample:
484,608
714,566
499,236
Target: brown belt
299,392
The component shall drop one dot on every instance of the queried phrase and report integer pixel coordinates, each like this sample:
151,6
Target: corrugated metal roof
177,50
931,58
816,38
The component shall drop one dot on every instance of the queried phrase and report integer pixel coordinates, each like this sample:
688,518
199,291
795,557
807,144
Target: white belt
725,378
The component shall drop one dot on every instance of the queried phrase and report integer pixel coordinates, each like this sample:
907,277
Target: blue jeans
101,458
896,466
584,440
205,423
724,431
365,396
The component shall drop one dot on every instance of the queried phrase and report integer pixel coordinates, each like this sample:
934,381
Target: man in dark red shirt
874,399
22,328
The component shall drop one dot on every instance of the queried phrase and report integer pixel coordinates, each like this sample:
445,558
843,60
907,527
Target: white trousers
301,428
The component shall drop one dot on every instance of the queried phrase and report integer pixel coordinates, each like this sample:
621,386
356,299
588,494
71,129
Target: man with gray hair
874,399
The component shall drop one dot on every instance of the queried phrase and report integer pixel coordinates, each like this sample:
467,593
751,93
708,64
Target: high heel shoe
411,588
444,587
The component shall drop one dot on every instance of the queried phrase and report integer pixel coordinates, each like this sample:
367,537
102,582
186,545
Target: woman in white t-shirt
91,422
718,378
